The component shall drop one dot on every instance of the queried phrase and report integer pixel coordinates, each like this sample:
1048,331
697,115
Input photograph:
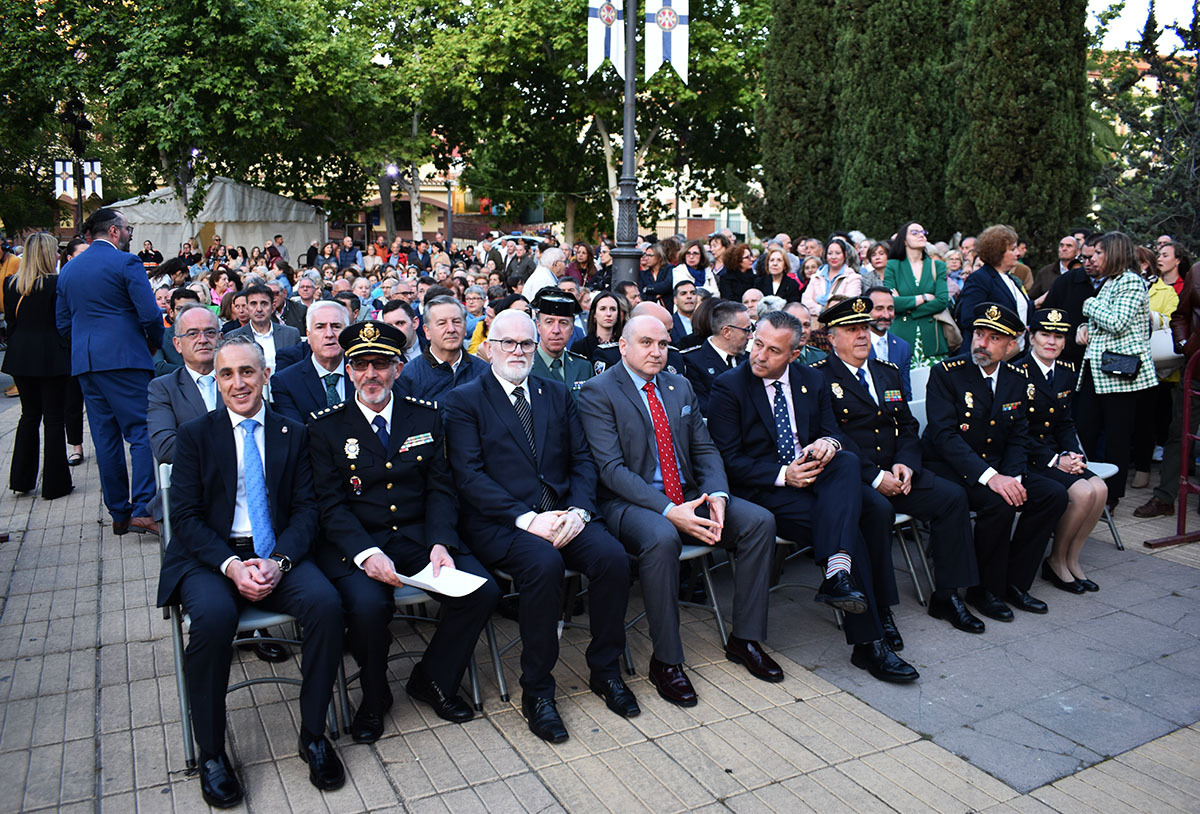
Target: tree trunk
571,203
610,167
386,212
414,189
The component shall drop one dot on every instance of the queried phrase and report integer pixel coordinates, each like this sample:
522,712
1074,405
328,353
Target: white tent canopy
242,215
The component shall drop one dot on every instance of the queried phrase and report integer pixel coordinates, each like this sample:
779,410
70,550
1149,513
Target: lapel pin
670,387
283,429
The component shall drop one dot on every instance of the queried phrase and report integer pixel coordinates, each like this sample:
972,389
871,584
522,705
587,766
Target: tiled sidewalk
91,719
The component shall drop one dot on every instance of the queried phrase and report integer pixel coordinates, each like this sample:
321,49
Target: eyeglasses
510,345
377,362
918,232
747,331
195,333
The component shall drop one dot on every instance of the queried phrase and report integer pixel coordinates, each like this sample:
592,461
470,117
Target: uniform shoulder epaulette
432,405
1068,365
319,414
577,356
889,364
950,364
692,349
1016,369
821,362
608,344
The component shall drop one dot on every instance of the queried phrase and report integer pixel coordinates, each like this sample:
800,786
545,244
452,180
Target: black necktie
1050,377
381,430
525,414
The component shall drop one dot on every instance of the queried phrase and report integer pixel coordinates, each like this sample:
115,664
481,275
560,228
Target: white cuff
780,479
1054,461
987,476
225,565
366,554
523,520
878,480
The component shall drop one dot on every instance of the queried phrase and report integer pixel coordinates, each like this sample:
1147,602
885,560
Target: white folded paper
449,581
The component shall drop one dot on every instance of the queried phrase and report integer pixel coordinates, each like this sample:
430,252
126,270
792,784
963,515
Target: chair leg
476,695
1112,527
839,618
494,646
912,572
712,598
344,694
181,687
924,555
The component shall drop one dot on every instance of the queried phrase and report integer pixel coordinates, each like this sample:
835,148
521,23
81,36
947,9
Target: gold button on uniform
391,508
388,464
389,486
992,422
351,467
418,457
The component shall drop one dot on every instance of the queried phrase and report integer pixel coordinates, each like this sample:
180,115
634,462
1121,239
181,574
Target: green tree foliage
1149,183
797,122
891,113
1022,155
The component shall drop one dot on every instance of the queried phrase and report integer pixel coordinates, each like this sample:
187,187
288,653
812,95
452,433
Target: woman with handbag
39,360
918,283
1117,364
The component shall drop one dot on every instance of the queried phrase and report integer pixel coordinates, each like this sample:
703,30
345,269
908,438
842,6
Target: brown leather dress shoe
755,659
672,683
1154,508
143,525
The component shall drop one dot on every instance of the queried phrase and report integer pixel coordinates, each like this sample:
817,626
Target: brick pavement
91,719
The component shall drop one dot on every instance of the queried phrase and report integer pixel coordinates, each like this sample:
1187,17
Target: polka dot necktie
666,447
785,441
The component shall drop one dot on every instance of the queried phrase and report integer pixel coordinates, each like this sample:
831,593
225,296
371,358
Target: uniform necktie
331,391
381,430
992,384
785,441
255,484
208,391
1050,377
862,379
666,447
525,414
556,370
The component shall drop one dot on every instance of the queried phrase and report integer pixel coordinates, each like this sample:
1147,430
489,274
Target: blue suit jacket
900,355
984,285
497,476
107,309
297,392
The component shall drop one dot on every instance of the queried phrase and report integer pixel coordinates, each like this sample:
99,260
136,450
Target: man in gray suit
262,328
663,485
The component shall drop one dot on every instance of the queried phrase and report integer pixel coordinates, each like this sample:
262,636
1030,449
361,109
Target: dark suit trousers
370,605
537,568
213,604
749,532
116,405
74,412
943,505
1006,556
42,405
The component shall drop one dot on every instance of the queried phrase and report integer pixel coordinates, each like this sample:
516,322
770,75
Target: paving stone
1099,722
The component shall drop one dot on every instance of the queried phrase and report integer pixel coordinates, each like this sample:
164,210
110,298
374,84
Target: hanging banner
92,183
606,36
64,179
667,36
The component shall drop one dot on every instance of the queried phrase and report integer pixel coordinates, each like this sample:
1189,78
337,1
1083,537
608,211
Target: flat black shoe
544,720
954,610
367,726
450,708
1021,599
219,784
891,633
1072,587
839,592
1088,585
617,696
325,770
879,660
989,604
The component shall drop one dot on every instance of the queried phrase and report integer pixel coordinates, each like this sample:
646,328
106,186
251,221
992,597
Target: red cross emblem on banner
608,14
667,18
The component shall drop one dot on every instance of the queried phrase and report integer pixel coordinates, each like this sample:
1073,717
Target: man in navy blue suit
106,308
317,382
528,506
885,345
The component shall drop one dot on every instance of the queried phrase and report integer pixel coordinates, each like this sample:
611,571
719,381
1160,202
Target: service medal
837,390
352,449
356,484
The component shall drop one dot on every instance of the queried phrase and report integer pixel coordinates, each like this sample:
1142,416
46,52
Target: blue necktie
381,430
862,379
785,441
208,391
256,492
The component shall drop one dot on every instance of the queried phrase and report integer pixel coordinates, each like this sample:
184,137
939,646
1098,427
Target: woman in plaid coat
1118,321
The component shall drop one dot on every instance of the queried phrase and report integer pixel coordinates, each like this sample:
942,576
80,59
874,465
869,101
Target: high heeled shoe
1072,587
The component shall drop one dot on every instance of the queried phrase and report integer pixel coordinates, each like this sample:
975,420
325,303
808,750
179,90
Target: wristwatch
584,514
285,564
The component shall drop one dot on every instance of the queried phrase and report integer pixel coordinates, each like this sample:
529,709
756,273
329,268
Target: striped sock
837,562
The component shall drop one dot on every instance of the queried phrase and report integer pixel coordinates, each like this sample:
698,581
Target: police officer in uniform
978,436
868,404
388,508
556,312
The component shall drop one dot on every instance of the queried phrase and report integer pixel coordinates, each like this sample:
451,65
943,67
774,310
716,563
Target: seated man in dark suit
869,406
724,350
662,484
977,436
388,508
527,481
320,381
247,539
773,423
167,358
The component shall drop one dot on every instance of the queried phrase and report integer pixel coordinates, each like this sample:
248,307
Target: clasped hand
707,530
810,464
1072,463
896,482
558,527
254,578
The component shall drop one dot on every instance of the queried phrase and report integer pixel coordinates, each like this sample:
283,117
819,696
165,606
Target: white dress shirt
241,510
874,396
522,522
341,382
880,343
196,375
267,343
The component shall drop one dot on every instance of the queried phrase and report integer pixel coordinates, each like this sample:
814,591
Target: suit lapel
224,449
191,392
502,407
316,387
541,416
758,397
625,385
276,448
800,404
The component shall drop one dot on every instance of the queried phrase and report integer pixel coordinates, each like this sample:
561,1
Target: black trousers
943,504
74,412
370,604
213,603
42,409
1110,416
1152,420
537,569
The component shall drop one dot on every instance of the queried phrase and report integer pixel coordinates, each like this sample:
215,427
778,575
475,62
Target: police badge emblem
837,390
969,400
352,449
1029,391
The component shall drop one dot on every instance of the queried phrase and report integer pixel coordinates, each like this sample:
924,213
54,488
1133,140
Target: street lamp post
449,213
625,254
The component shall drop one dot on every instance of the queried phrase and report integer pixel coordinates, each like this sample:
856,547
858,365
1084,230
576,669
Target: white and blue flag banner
93,184
64,179
667,36
606,35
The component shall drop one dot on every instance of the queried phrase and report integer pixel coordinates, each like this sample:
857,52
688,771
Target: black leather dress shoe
891,633
755,659
617,696
219,785
1021,599
543,717
268,651
325,770
120,527
672,683
1088,585
954,610
367,726
450,708
839,591
1072,587
989,604
879,660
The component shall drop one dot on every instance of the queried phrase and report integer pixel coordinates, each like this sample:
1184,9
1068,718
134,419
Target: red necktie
666,448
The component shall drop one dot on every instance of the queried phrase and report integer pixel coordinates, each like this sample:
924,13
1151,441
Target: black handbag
1125,365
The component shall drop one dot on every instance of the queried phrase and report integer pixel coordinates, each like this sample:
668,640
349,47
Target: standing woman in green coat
918,283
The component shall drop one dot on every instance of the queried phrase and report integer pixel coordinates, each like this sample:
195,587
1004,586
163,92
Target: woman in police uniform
1055,450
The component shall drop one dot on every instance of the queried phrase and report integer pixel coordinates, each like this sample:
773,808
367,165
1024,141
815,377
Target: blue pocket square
687,409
